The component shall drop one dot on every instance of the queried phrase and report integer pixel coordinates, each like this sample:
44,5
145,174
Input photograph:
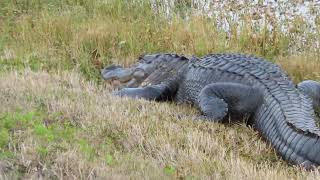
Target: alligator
311,89
231,87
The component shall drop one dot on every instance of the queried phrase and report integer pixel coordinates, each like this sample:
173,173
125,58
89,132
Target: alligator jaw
123,77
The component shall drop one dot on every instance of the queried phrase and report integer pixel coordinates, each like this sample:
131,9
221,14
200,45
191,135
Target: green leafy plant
169,170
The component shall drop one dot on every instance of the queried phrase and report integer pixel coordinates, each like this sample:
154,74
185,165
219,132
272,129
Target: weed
109,159
4,137
86,148
169,170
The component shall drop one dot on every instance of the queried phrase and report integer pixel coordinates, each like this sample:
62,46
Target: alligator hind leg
219,99
154,92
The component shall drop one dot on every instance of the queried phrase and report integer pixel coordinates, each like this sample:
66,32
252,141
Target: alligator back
286,118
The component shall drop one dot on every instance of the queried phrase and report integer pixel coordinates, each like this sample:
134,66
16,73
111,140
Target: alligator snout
120,77
116,73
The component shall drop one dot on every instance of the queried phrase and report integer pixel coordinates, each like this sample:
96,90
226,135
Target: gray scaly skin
312,90
234,86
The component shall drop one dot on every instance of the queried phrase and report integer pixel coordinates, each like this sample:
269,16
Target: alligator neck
173,70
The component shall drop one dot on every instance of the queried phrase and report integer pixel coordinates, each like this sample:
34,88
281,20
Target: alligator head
148,65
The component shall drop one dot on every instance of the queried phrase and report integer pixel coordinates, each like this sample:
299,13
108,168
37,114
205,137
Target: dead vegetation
58,120
67,127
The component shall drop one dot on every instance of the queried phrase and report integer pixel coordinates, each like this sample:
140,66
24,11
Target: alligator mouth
116,73
120,77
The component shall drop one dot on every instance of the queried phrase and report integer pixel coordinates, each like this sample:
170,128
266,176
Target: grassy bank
57,119
63,126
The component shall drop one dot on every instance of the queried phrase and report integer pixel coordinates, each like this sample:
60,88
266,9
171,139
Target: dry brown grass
92,34
144,139
57,123
301,67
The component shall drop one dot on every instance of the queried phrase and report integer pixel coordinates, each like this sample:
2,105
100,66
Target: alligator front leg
158,92
218,99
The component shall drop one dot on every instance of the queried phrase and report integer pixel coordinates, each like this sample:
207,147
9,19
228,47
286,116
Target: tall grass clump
87,35
58,120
